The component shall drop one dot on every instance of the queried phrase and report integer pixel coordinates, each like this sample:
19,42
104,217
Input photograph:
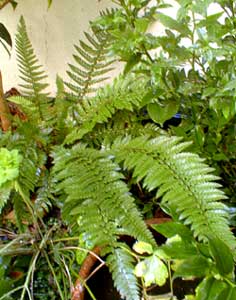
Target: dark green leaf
14,4
179,249
170,229
195,266
5,35
222,255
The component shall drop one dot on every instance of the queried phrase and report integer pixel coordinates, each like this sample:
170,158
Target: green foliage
9,165
184,182
124,94
96,156
31,72
5,37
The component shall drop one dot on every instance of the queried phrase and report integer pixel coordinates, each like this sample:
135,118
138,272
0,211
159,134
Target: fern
121,266
125,94
91,64
183,181
31,72
98,199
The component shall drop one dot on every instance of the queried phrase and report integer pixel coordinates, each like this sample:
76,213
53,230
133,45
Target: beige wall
52,32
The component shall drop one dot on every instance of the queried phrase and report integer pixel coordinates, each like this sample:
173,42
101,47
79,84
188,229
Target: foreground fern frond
99,200
182,180
91,64
98,194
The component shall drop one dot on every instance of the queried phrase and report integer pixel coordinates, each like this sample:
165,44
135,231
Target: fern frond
5,192
121,266
43,197
124,94
97,195
99,200
182,179
31,72
91,64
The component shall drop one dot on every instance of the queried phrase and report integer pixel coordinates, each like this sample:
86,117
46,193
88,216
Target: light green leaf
142,247
173,24
229,293
210,289
9,164
152,270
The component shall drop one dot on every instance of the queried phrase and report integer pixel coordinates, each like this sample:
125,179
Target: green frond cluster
182,180
91,64
124,94
31,72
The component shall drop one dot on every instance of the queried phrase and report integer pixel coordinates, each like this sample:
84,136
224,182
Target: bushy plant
85,160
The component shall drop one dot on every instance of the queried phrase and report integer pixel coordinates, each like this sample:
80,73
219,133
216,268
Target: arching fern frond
124,94
181,179
91,64
96,190
31,72
99,200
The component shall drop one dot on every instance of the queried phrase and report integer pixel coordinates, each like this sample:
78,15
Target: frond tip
31,72
91,64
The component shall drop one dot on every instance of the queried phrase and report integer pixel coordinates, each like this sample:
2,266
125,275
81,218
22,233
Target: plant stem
4,110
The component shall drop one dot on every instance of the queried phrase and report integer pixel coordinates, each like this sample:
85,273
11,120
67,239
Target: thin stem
82,249
28,277
12,292
193,41
95,271
54,274
170,278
